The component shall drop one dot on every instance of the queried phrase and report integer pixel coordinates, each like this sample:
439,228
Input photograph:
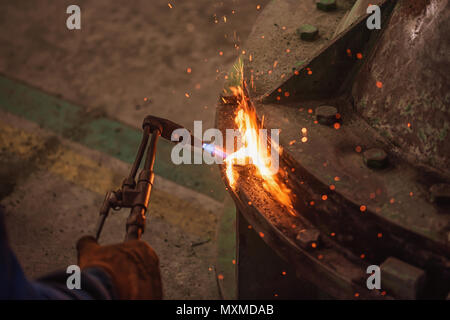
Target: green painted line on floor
226,250
98,132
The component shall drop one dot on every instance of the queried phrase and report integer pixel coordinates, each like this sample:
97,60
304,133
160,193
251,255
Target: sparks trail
254,150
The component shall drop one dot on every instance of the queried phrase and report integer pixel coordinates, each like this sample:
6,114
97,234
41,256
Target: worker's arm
125,271
96,283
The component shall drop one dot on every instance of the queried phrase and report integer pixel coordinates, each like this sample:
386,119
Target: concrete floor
129,59
127,50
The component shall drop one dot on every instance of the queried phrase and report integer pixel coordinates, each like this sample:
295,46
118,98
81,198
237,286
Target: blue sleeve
95,283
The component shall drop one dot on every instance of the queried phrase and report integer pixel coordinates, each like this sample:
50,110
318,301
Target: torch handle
136,229
136,220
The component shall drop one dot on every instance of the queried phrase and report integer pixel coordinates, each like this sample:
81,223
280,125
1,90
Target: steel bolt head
306,237
402,279
375,158
326,115
308,32
440,193
326,5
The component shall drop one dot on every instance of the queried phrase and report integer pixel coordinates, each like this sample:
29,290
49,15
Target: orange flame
254,148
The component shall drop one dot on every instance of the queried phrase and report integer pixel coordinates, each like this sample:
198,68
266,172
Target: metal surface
275,48
411,60
369,214
327,268
255,258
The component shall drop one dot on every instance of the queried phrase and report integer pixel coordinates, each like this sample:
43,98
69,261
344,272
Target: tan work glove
132,265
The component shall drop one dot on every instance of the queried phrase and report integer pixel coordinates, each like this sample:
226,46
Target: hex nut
326,115
402,279
326,5
308,32
440,193
306,237
375,158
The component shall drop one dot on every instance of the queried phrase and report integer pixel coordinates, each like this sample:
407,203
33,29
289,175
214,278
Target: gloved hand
132,265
